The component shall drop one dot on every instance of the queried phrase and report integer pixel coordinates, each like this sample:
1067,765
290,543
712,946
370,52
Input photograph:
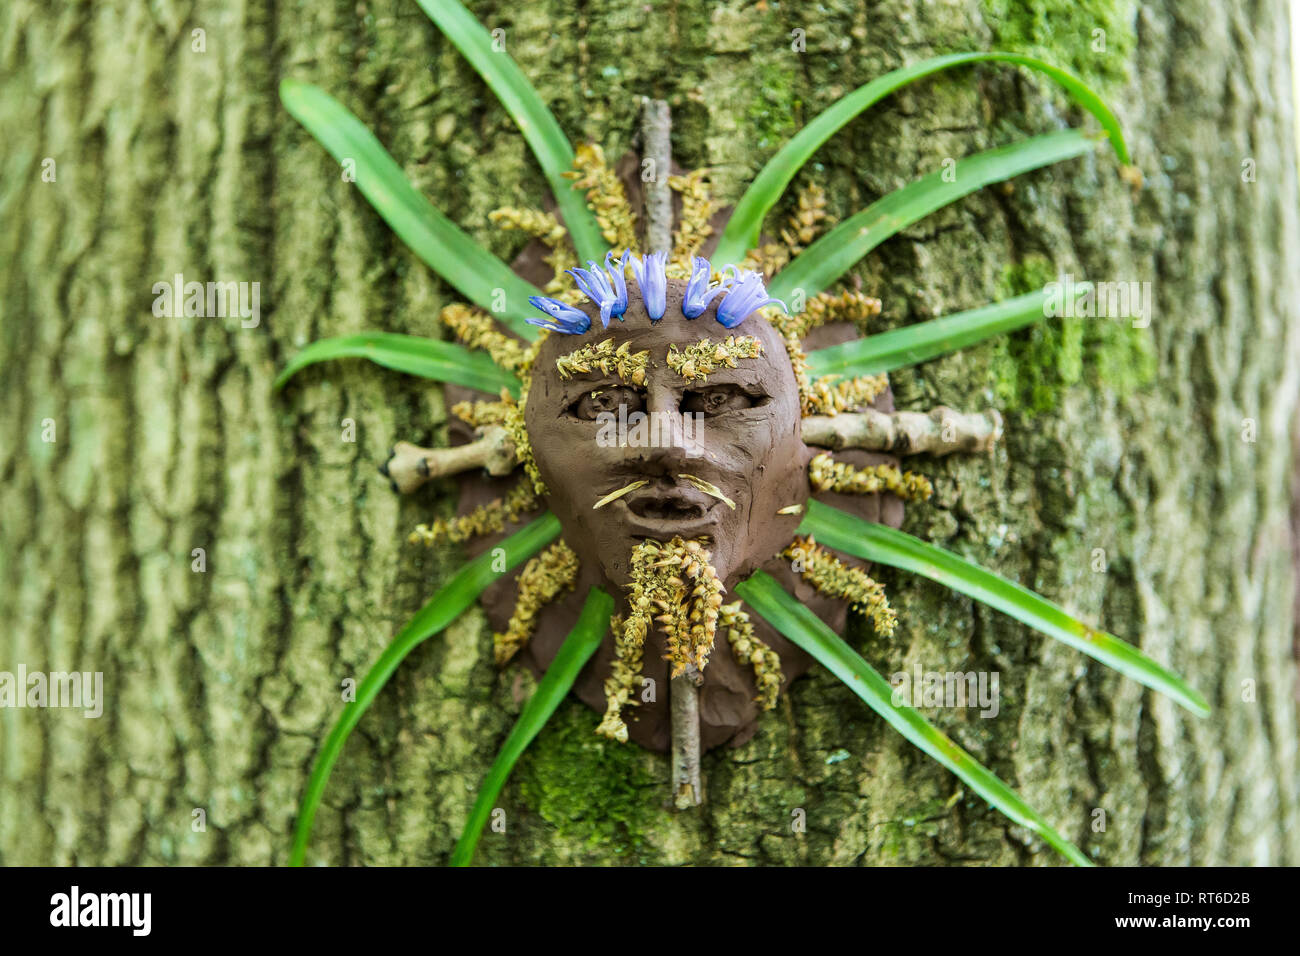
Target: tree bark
1129,486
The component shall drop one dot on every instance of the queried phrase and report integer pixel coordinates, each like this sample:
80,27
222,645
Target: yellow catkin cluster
541,225
604,358
748,649
562,286
692,595
544,226
807,220
477,329
693,227
831,576
513,418
625,673
515,427
826,396
709,355
485,519
605,196
829,396
799,363
529,358
826,474
540,582
825,308
481,414
769,259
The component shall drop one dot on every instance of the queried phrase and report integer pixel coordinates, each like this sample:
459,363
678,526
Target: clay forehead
772,367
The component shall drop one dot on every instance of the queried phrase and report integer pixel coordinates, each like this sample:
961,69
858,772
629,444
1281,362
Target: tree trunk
1143,482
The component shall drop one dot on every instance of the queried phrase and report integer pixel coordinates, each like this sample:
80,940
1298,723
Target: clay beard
675,591
742,440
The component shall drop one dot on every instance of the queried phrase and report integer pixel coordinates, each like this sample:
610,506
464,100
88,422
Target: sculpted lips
666,506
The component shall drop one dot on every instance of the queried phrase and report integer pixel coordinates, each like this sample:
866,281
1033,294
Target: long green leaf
443,608
746,223
797,622
899,348
836,252
443,245
535,121
427,358
573,655
874,542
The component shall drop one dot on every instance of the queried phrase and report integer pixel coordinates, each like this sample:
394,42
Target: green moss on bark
591,791
1032,368
1093,38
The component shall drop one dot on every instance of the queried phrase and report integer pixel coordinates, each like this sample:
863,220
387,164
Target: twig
941,431
684,693
410,466
656,127
684,701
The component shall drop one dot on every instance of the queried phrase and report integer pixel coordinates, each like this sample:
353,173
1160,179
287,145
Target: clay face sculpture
693,437
737,429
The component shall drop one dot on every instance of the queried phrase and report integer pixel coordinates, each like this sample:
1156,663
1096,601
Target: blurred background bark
1126,488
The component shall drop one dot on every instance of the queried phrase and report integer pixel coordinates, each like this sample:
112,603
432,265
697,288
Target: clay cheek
739,441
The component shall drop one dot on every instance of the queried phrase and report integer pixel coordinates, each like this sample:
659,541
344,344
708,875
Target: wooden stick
656,127
684,701
684,693
939,432
410,466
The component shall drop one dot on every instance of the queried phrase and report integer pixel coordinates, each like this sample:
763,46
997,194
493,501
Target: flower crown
743,293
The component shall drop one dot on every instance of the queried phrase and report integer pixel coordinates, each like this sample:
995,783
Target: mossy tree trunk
221,684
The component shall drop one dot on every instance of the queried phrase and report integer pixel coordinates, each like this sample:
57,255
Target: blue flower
745,296
698,291
608,291
652,279
619,277
566,318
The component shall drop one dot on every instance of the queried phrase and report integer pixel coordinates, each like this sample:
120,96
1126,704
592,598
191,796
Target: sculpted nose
675,438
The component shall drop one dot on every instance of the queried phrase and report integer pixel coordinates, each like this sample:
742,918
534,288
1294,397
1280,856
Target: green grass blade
899,348
874,542
440,243
427,358
577,649
803,627
746,223
534,120
443,608
836,252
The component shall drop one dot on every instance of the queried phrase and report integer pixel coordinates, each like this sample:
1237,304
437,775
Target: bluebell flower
566,318
607,291
745,296
618,276
651,277
698,291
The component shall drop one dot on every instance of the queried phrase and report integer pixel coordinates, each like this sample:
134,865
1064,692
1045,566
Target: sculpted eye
608,400
716,399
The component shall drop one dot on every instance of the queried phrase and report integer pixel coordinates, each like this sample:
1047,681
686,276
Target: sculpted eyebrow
709,355
605,359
